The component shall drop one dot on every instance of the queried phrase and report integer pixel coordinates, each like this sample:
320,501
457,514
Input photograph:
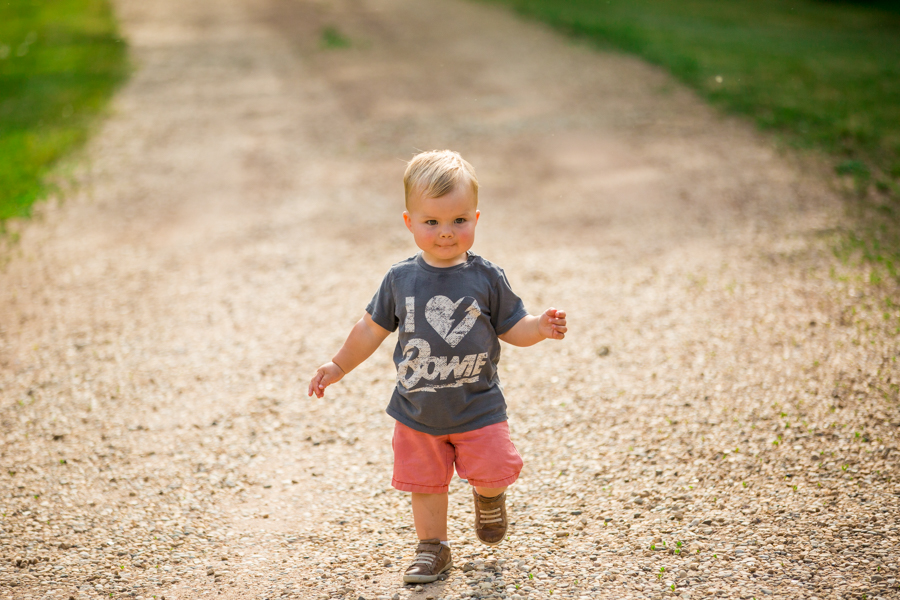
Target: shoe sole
426,578
497,543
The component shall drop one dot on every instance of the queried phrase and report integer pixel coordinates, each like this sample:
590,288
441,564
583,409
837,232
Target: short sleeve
383,308
507,308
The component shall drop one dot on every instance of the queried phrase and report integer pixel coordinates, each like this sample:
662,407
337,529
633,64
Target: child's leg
423,465
489,492
432,557
488,459
430,516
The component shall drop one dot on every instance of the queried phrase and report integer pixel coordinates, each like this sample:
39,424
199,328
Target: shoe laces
425,558
491,516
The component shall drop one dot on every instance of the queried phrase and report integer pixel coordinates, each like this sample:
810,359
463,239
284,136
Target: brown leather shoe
432,559
490,518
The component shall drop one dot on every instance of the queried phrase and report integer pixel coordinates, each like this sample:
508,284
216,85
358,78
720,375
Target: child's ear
407,220
477,215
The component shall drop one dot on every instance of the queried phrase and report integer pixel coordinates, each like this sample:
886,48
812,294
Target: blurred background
820,76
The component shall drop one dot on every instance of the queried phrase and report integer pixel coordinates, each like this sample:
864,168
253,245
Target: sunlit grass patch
820,75
60,61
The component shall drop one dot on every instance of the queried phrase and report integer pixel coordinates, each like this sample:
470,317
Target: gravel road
721,421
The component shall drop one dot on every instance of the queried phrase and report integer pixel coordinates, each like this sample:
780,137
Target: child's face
444,228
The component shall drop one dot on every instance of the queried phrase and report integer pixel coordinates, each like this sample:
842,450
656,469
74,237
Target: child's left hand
552,324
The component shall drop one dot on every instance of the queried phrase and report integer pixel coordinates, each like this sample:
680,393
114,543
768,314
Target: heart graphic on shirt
439,312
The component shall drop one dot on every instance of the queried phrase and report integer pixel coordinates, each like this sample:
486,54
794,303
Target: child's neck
444,263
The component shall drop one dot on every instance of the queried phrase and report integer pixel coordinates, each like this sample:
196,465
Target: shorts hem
506,481
419,489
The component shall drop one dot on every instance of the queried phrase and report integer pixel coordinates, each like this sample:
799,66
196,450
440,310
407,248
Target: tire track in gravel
240,206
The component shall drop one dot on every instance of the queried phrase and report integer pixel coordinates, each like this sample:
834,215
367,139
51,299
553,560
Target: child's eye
431,222
460,221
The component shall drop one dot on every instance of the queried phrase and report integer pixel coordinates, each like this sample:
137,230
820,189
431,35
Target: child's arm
364,339
531,329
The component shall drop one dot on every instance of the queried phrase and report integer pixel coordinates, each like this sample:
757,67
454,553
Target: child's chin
445,254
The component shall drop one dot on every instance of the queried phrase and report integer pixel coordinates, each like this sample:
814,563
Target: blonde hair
436,173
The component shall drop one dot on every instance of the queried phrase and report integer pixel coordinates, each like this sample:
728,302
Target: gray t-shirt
447,351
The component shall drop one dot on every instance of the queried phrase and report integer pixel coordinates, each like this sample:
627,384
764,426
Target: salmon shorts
423,463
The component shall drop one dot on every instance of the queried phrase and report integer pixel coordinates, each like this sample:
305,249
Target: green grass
331,39
60,61
820,75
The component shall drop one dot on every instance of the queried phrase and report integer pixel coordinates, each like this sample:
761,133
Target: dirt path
238,210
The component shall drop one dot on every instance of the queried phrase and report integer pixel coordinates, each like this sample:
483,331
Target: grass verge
822,75
60,61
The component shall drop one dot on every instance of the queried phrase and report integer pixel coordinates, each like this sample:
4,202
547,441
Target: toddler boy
452,307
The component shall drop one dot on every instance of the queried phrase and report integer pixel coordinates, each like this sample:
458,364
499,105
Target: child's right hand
325,375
